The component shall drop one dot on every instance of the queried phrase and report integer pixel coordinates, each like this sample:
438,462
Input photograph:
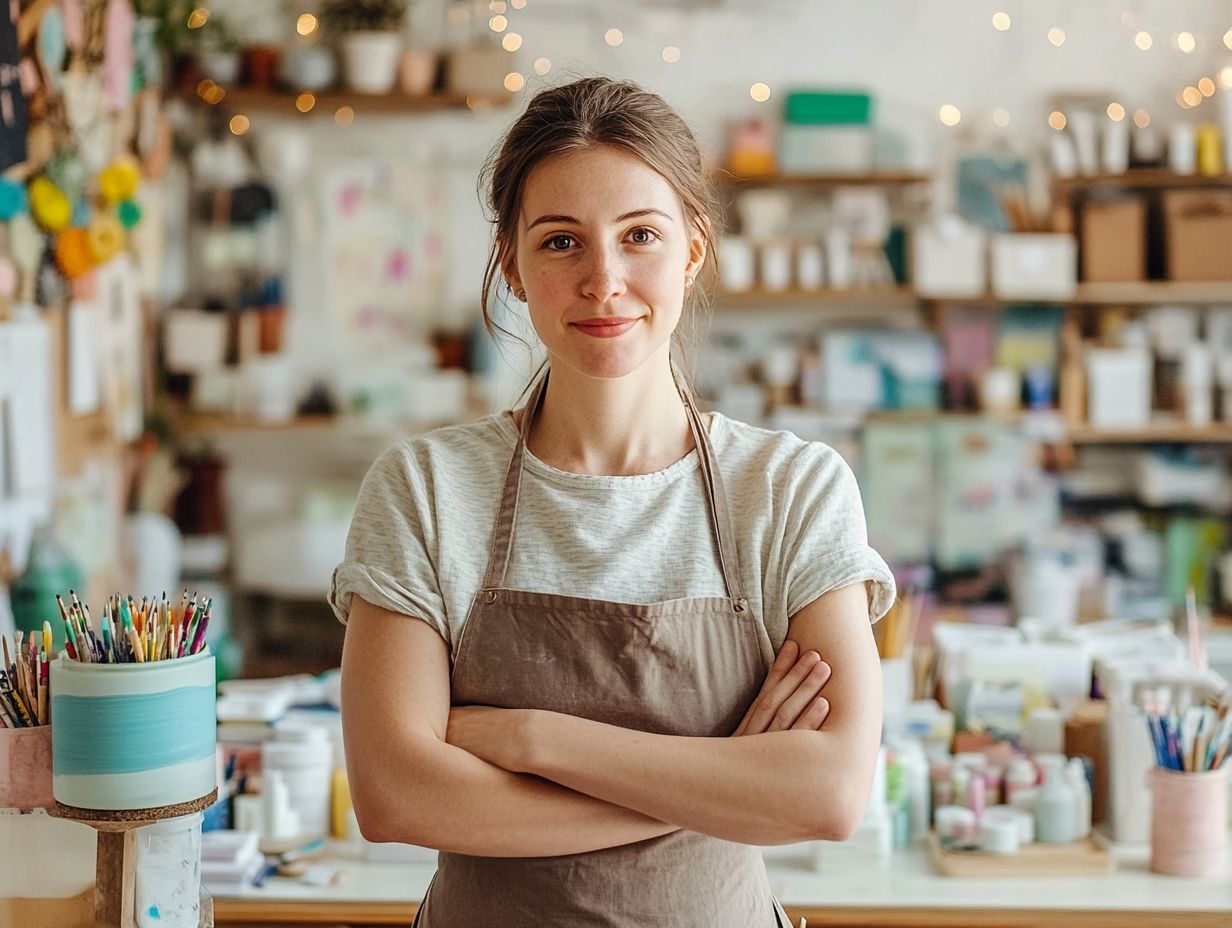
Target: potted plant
371,40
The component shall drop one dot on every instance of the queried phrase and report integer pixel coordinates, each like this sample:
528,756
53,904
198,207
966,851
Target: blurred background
982,248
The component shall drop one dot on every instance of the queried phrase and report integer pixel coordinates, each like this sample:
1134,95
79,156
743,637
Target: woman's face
603,252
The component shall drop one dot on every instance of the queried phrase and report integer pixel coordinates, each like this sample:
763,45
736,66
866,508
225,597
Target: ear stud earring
521,295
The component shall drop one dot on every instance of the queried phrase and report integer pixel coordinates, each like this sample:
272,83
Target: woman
604,578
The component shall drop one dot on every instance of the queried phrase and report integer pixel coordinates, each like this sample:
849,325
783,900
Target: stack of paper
230,861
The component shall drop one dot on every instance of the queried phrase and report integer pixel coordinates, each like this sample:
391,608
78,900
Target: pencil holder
1189,821
25,768
137,740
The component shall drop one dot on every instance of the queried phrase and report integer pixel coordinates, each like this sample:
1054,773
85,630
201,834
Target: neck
634,424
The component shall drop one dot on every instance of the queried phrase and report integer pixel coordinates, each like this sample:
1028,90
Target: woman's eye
643,236
559,242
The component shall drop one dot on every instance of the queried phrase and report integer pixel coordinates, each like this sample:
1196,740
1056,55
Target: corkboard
124,819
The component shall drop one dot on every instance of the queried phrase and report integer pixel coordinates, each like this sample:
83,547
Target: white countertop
905,880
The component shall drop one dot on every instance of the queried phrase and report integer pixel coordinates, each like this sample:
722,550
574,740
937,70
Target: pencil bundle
135,632
896,631
1194,741
25,694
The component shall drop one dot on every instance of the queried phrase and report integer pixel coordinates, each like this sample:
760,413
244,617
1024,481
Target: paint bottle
1077,773
975,794
1055,808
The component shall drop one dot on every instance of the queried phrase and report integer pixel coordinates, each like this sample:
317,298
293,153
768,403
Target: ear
697,247
509,271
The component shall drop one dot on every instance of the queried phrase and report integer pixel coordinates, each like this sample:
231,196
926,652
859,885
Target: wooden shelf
804,300
1141,179
822,181
198,423
1161,433
1155,291
248,100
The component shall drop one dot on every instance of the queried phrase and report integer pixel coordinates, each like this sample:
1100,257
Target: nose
603,277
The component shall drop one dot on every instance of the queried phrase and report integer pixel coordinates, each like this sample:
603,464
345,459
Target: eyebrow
569,219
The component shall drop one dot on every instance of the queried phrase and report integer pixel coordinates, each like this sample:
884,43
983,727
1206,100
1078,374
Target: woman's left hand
499,736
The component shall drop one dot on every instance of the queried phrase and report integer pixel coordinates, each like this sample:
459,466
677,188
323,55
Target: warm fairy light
1192,95
344,116
1056,119
203,86
1001,21
613,37
1129,20
498,24
214,95
1225,76
514,82
950,114
305,101
1185,42
1142,118
306,24
543,66
496,6
239,124
1180,101
760,92
1143,40
1056,36
1206,87
1227,38
671,54
1116,112
198,18
518,4
1001,117
511,42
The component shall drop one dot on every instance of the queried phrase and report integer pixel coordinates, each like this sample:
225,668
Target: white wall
914,55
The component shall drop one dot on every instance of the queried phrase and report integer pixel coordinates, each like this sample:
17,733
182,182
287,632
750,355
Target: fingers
774,694
782,663
813,716
802,697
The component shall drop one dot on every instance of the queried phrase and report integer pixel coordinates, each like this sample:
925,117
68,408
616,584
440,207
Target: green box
820,108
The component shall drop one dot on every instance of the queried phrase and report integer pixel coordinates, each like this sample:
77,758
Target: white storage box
809,149
1033,266
949,259
1118,387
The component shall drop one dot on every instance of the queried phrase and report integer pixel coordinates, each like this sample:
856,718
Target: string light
496,6
1056,36
1116,112
1143,41
950,114
1206,87
203,87
498,24
1001,21
1227,38
760,92
305,102
613,37
543,66
518,4
671,54
1142,118
239,124
1186,42
214,95
344,116
198,18
514,82
1001,117
1056,119
1225,76
1192,95
511,42
1180,100
306,24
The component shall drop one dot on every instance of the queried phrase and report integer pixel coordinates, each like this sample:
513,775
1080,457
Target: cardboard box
1198,234
1113,245
1034,266
949,259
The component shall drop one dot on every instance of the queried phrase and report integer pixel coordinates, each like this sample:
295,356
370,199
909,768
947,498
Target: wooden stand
115,874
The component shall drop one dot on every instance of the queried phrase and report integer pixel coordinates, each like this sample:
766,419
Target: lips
605,326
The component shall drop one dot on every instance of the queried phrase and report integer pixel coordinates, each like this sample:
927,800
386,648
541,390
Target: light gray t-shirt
419,539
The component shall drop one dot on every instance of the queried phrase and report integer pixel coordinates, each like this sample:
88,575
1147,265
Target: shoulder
453,451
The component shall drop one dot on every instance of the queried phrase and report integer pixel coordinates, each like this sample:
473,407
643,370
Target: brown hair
584,114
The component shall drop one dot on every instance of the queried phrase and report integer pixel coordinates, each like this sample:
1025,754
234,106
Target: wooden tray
1086,857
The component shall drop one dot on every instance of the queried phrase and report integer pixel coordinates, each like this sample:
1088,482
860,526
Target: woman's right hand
790,698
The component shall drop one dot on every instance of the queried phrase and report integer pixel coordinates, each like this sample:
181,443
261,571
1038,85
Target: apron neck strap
716,496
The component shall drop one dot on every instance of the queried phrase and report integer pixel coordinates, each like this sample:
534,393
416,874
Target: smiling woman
615,689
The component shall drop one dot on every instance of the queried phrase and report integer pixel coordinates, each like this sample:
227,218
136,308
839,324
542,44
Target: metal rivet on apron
489,597
739,604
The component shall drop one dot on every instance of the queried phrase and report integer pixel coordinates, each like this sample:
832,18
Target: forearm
453,801
772,788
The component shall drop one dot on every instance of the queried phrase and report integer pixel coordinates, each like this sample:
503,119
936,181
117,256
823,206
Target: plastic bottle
1020,776
1077,774
1055,808
919,810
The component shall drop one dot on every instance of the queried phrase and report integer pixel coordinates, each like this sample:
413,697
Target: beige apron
683,667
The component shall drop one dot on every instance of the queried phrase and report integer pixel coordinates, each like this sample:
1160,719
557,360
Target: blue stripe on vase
124,734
